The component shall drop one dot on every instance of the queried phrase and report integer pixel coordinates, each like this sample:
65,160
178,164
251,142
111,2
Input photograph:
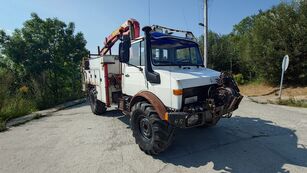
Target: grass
295,96
2,126
19,99
256,89
18,106
263,89
293,102
14,107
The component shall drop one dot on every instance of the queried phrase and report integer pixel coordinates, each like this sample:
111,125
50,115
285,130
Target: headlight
189,100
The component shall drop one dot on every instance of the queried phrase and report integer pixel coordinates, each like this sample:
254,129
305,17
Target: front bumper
199,118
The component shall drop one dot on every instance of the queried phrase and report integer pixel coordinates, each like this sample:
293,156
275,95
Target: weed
293,102
16,107
2,126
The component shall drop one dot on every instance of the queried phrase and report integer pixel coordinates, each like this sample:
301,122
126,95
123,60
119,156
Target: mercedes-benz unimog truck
159,80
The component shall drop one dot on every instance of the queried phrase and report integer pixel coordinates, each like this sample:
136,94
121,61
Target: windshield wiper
140,68
183,64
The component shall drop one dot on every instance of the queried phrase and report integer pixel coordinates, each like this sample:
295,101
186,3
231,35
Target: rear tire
152,134
97,106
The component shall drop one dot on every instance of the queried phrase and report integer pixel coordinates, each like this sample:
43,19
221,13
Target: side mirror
124,49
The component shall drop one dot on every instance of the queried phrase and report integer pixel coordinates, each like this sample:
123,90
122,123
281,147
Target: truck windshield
169,51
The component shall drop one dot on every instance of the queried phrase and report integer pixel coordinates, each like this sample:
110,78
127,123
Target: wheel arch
152,99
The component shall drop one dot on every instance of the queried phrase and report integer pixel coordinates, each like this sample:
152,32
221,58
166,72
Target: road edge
42,113
255,100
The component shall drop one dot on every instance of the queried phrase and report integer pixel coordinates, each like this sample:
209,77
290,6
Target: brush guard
222,100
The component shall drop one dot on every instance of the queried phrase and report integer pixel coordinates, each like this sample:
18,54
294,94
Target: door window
135,54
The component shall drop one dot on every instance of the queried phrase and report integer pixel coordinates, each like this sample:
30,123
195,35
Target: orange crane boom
130,27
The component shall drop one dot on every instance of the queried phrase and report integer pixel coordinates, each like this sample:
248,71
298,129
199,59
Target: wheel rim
145,128
92,98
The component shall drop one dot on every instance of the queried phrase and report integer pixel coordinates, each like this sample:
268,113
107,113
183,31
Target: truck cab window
135,54
160,56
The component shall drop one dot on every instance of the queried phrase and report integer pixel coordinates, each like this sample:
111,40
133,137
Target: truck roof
159,35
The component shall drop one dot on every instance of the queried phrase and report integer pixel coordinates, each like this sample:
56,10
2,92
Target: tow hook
229,115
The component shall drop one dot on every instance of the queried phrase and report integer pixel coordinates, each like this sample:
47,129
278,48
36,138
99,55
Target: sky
96,19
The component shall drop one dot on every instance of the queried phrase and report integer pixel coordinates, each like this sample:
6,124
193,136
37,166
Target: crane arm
130,27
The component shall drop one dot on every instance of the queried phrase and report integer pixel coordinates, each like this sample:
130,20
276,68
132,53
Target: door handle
127,75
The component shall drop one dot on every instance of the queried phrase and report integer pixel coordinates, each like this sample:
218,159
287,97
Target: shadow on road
239,144
77,106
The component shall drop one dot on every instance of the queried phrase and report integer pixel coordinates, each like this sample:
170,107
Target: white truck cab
159,81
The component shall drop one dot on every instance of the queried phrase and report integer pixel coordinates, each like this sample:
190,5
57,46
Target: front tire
152,134
97,106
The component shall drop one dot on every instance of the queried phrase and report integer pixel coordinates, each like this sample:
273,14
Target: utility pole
205,33
205,25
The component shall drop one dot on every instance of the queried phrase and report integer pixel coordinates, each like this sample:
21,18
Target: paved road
259,138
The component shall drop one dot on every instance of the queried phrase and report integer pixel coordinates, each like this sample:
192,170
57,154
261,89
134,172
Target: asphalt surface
258,138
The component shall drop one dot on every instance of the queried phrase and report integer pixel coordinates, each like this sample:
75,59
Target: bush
2,126
16,107
12,103
239,79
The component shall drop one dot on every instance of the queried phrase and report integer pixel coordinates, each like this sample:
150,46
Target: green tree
3,39
221,53
49,54
263,40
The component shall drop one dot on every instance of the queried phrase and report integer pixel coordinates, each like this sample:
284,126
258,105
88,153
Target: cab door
133,78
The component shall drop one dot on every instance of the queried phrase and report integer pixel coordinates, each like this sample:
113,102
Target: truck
159,81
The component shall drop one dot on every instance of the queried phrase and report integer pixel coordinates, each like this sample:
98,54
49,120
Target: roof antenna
185,19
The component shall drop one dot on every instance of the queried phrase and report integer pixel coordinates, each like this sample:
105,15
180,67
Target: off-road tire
98,107
160,133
